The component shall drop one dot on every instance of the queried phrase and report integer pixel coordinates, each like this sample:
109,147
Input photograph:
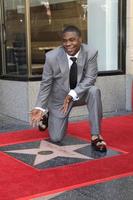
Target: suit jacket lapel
81,63
63,64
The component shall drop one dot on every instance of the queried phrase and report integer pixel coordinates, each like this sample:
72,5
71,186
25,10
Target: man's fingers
65,108
34,122
36,116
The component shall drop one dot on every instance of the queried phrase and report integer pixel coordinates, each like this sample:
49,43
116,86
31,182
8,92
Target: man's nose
68,43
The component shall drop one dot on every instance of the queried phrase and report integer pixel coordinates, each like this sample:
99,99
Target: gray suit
54,88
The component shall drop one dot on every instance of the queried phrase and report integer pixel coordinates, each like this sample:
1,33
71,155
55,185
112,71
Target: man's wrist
42,109
73,94
39,108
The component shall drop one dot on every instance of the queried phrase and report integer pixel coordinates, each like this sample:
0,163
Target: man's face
71,43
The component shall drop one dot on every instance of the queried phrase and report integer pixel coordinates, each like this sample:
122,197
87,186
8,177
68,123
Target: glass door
1,39
13,37
0,54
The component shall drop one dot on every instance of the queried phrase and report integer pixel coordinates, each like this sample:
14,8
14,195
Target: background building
30,28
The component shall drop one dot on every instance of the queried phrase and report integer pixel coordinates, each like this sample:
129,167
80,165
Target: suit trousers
92,98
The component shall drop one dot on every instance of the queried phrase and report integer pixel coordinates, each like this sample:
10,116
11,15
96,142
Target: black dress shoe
99,145
43,124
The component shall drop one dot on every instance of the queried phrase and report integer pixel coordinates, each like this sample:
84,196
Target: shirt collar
76,55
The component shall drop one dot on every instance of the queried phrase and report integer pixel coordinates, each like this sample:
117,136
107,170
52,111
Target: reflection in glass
103,32
0,55
48,19
97,20
15,43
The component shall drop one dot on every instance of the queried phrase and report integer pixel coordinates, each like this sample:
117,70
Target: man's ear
80,39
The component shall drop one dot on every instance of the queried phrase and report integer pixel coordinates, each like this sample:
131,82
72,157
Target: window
47,21
106,31
14,40
31,28
101,22
103,32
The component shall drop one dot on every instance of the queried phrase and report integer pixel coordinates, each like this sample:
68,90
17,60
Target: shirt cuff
42,109
73,94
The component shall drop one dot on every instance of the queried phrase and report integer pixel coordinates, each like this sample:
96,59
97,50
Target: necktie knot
73,59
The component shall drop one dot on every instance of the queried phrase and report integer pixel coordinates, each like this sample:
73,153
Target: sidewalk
8,124
110,189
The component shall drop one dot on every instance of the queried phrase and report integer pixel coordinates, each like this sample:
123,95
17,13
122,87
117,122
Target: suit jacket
55,78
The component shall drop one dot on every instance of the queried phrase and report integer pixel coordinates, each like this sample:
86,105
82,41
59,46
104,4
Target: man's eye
71,40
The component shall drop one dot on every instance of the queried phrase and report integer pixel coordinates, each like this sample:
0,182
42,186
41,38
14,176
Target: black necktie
73,73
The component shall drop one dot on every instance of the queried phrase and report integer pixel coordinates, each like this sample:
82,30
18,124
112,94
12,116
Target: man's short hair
72,28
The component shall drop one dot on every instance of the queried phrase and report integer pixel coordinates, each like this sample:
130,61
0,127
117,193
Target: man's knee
94,91
56,138
57,130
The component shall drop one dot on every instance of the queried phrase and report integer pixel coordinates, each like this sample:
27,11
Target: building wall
129,56
14,99
21,96
113,95
18,98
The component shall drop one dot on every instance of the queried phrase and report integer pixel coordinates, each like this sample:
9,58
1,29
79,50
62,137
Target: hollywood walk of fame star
47,151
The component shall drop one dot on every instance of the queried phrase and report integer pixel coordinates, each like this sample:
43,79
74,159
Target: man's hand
67,101
36,116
